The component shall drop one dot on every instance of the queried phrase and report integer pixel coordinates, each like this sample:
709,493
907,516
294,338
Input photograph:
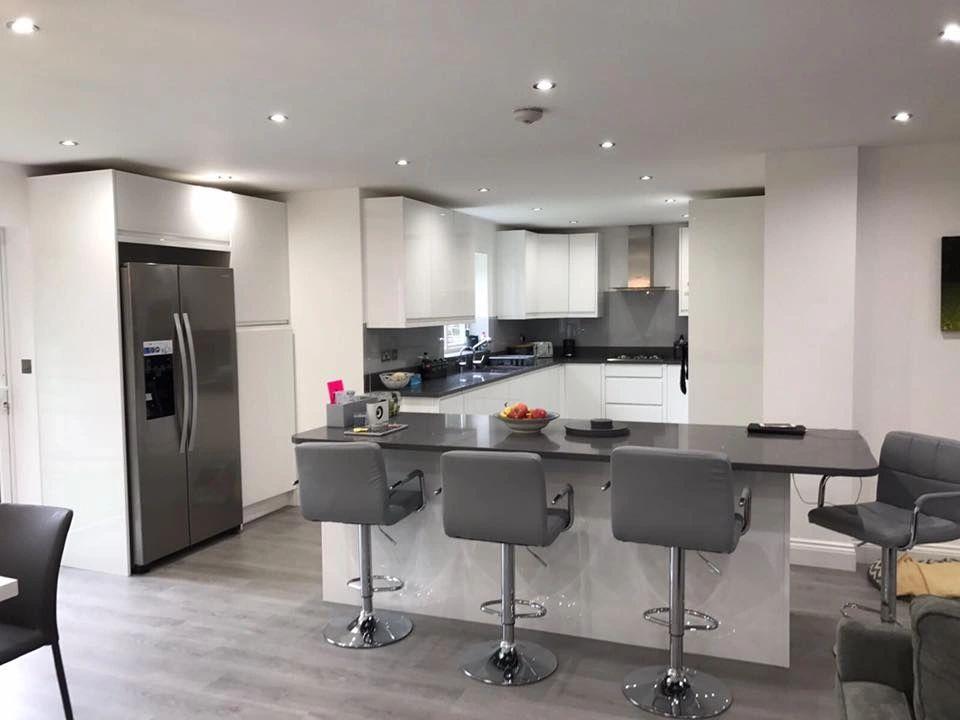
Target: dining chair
31,546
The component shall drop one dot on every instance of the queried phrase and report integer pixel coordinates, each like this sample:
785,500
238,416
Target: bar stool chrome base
523,664
360,632
700,696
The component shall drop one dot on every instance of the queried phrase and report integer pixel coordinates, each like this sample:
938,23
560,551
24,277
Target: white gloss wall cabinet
683,273
163,212
417,270
267,411
546,275
79,371
583,390
259,258
677,407
584,274
633,392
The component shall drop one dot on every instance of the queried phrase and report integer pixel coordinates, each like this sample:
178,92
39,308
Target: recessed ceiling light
544,85
277,118
402,162
686,215
607,144
22,26
483,189
902,117
574,222
951,33
69,143
646,177
537,209
670,201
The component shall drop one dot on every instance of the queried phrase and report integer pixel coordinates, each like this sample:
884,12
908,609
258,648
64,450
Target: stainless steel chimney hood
640,261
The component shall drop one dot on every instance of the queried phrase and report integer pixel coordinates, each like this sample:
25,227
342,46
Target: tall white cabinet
547,275
76,223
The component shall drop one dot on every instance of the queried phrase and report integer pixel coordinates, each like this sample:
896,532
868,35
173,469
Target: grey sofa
886,672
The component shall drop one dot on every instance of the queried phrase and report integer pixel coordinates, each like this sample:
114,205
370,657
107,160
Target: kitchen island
593,585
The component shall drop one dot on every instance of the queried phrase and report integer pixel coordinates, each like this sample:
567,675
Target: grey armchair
884,671
31,546
918,501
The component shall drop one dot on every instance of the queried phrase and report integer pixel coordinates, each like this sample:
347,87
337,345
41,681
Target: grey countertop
457,382
819,452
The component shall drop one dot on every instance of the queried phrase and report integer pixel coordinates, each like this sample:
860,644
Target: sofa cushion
873,701
936,658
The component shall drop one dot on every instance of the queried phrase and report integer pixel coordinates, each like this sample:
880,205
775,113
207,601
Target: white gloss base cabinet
595,586
677,407
267,411
583,390
537,388
633,393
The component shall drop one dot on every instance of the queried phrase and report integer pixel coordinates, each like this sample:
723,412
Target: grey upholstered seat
911,465
498,497
673,498
883,525
32,538
348,483
682,500
501,497
914,469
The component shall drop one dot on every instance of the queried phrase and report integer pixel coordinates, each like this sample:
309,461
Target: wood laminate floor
234,631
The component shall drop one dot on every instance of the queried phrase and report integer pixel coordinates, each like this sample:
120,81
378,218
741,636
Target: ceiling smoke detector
528,115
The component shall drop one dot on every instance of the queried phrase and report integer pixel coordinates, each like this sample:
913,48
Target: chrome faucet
472,349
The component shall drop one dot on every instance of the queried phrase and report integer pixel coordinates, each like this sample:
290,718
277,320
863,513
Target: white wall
809,259
19,276
726,310
907,371
326,296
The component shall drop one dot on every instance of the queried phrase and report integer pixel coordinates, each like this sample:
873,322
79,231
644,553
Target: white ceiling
693,92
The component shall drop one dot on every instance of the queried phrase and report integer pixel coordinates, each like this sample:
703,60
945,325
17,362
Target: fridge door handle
193,371
186,383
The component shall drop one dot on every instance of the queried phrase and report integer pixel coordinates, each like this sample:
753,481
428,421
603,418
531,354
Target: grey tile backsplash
628,319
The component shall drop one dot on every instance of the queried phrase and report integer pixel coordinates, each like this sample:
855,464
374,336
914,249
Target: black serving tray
589,429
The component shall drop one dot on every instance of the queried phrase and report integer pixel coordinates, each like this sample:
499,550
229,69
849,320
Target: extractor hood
640,277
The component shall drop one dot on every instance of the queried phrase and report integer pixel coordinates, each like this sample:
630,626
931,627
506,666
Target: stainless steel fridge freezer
183,428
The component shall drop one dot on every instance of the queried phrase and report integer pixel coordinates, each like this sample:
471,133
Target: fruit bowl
395,380
527,424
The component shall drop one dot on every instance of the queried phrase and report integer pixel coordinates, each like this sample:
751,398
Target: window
454,339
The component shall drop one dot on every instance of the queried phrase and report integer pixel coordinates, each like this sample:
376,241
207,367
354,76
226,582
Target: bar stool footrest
537,610
391,584
708,623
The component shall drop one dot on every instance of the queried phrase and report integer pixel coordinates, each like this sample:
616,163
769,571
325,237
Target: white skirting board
265,507
832,554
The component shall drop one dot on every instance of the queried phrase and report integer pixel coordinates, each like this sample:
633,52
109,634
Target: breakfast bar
592,585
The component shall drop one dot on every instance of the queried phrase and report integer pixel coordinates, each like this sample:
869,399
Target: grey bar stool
347,483
918,501
500,497
683,500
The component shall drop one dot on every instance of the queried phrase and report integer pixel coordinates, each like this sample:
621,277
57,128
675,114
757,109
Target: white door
6,464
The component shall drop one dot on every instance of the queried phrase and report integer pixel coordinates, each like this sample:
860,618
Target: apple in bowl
521,418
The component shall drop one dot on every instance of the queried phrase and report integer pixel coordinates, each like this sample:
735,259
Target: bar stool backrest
673,498
912,465
494,496
342,482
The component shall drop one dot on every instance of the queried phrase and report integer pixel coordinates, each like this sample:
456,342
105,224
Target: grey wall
630,319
